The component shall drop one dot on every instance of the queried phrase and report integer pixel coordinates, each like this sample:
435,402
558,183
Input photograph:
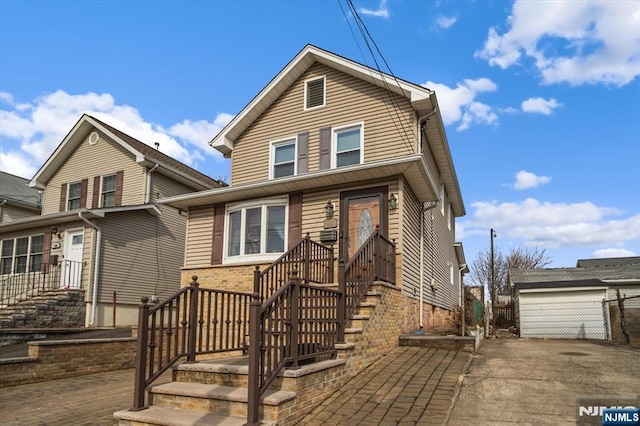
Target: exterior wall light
328,209
393,202
54,231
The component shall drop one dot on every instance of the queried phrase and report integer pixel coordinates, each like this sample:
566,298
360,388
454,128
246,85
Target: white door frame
72,254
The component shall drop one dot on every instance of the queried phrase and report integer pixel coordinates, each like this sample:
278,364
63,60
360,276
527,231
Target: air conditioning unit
328,235
434,283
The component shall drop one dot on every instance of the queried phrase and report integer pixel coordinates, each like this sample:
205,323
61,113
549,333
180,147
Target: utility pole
493,285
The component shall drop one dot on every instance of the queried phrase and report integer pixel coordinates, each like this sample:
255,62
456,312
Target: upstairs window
283,158
74,196
108,191
347,146
314,93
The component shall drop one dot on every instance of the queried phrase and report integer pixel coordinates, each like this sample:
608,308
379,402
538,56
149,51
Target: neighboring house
17,199
100,229
570,302
333,148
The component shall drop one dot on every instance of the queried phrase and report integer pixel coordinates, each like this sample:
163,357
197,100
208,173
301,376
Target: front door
361,211
71,271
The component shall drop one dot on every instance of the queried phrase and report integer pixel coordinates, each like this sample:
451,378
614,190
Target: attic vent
93,138
314,93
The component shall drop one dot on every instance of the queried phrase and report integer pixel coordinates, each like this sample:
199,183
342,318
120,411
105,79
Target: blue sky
540,99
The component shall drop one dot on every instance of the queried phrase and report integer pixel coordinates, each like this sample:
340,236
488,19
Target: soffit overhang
413,168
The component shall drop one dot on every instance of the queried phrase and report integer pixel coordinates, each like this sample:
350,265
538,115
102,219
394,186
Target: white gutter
96,265
462,268
424,209
147,197
420,120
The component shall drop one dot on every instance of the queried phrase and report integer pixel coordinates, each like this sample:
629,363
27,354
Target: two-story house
100,231
17,199
333,149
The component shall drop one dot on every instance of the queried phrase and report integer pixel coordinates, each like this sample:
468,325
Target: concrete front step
165,416
219,399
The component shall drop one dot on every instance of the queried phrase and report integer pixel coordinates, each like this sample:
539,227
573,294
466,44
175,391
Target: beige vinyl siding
141,256
9,213
163,186
625,291
438,252
199,237
349,100
87,161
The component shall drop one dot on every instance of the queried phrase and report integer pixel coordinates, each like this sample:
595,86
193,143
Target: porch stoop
215,391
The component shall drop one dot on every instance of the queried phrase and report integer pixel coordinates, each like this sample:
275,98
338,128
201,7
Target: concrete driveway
526,381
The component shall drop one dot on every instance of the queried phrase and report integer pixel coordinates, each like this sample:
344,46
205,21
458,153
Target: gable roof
548,276
144,155
610,261
423,101
15,190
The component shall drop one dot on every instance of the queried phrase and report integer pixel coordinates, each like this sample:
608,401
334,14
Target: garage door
562,314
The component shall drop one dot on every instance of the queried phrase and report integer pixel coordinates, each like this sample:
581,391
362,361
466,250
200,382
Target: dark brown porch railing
374,261
17,287
313,261
194,321
298,322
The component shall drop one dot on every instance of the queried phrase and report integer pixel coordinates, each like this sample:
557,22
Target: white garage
551,310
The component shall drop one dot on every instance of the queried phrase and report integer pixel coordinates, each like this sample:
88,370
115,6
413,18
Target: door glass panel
365,226
363,216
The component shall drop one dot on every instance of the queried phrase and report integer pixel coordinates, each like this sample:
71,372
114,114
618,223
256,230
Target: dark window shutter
96,192
63,197
295,219
84,187
325,148
46,253
303,152
218,234
119,183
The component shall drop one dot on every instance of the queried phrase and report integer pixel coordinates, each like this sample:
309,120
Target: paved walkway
410,386
83,400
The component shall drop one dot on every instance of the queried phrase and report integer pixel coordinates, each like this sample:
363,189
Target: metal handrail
313,261
298,322
15,288
194,321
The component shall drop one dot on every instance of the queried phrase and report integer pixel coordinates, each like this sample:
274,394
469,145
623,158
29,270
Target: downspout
424,119
147,197
96,265
462,308
424,209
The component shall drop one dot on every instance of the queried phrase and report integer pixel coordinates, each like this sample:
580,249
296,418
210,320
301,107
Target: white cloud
551,225
459,105
31,131
444,22
613,252
382,11
540,105
577,42
526,180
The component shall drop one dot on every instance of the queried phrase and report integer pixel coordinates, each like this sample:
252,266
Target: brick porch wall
433,316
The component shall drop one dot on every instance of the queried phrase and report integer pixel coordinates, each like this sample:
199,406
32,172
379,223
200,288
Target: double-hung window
256,230
21,255
283,158
347,145
108,191
74,195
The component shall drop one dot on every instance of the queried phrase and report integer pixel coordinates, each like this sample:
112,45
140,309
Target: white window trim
69,191
28,254
272,154
449,216
252,258
334,142
451,275
324,93
442,196
100,201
